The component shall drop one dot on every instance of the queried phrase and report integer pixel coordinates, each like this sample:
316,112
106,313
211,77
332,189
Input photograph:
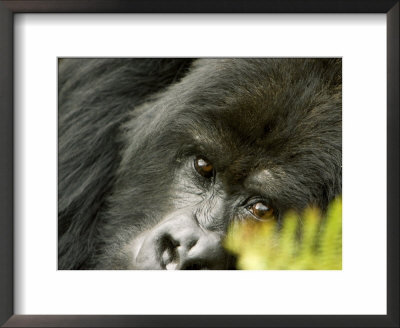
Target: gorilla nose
178,243
193,250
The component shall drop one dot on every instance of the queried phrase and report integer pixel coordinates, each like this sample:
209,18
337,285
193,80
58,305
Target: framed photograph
218,142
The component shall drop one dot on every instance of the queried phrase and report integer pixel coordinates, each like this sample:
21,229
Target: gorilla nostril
167,256
168,242
191,244
168,252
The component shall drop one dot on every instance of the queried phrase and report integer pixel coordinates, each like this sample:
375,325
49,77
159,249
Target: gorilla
158,156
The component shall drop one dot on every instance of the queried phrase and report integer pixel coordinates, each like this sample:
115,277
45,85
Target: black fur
128,128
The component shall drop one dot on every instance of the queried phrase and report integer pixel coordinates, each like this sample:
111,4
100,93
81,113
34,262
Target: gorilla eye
262,211
204,167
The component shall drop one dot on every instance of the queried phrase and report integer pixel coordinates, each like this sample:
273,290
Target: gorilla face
217,142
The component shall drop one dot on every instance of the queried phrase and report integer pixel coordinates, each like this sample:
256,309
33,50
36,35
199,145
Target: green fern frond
311,241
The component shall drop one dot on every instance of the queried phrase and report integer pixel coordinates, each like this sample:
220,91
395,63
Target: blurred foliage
310,241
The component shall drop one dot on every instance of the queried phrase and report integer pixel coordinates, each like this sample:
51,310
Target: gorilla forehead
247,95
261,104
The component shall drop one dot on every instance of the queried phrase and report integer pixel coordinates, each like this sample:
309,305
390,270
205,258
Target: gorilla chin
158,157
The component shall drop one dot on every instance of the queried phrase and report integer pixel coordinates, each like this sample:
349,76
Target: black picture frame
11,7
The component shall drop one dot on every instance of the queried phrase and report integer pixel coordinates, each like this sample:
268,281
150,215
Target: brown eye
262,211
204,167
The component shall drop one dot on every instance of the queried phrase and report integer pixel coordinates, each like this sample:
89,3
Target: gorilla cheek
178,242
